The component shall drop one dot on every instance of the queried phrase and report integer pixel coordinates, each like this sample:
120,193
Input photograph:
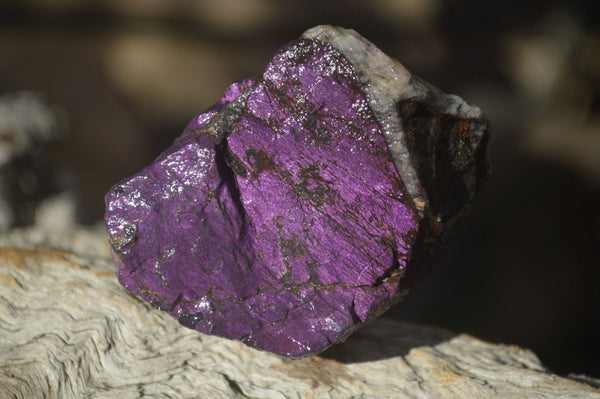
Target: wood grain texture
68,330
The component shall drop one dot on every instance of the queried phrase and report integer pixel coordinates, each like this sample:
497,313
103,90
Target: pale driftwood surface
68,330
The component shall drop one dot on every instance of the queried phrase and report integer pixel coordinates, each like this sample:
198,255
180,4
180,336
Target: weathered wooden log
68,330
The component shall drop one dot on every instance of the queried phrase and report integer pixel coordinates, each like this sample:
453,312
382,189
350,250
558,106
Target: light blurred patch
550,66
408,15
235,15
172,77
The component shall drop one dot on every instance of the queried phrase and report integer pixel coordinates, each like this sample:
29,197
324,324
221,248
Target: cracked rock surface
305,202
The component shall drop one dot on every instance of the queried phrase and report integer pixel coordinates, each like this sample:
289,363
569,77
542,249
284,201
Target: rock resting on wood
305,202
69,330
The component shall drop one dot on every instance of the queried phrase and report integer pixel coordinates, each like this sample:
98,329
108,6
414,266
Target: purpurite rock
305,202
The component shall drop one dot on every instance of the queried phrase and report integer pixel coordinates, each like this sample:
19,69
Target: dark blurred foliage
523,266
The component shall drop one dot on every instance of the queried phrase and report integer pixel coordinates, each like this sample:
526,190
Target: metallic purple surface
278,218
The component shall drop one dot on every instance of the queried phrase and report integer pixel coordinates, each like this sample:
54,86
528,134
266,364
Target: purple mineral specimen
304,203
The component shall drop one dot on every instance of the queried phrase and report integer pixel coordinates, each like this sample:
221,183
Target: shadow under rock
385,338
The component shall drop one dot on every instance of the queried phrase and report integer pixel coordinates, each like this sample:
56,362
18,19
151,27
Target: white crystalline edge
459,107
385,82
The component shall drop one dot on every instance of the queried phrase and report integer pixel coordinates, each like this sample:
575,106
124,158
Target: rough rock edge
68,330
386,82
440,200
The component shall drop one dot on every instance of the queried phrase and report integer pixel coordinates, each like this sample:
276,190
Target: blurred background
123,78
